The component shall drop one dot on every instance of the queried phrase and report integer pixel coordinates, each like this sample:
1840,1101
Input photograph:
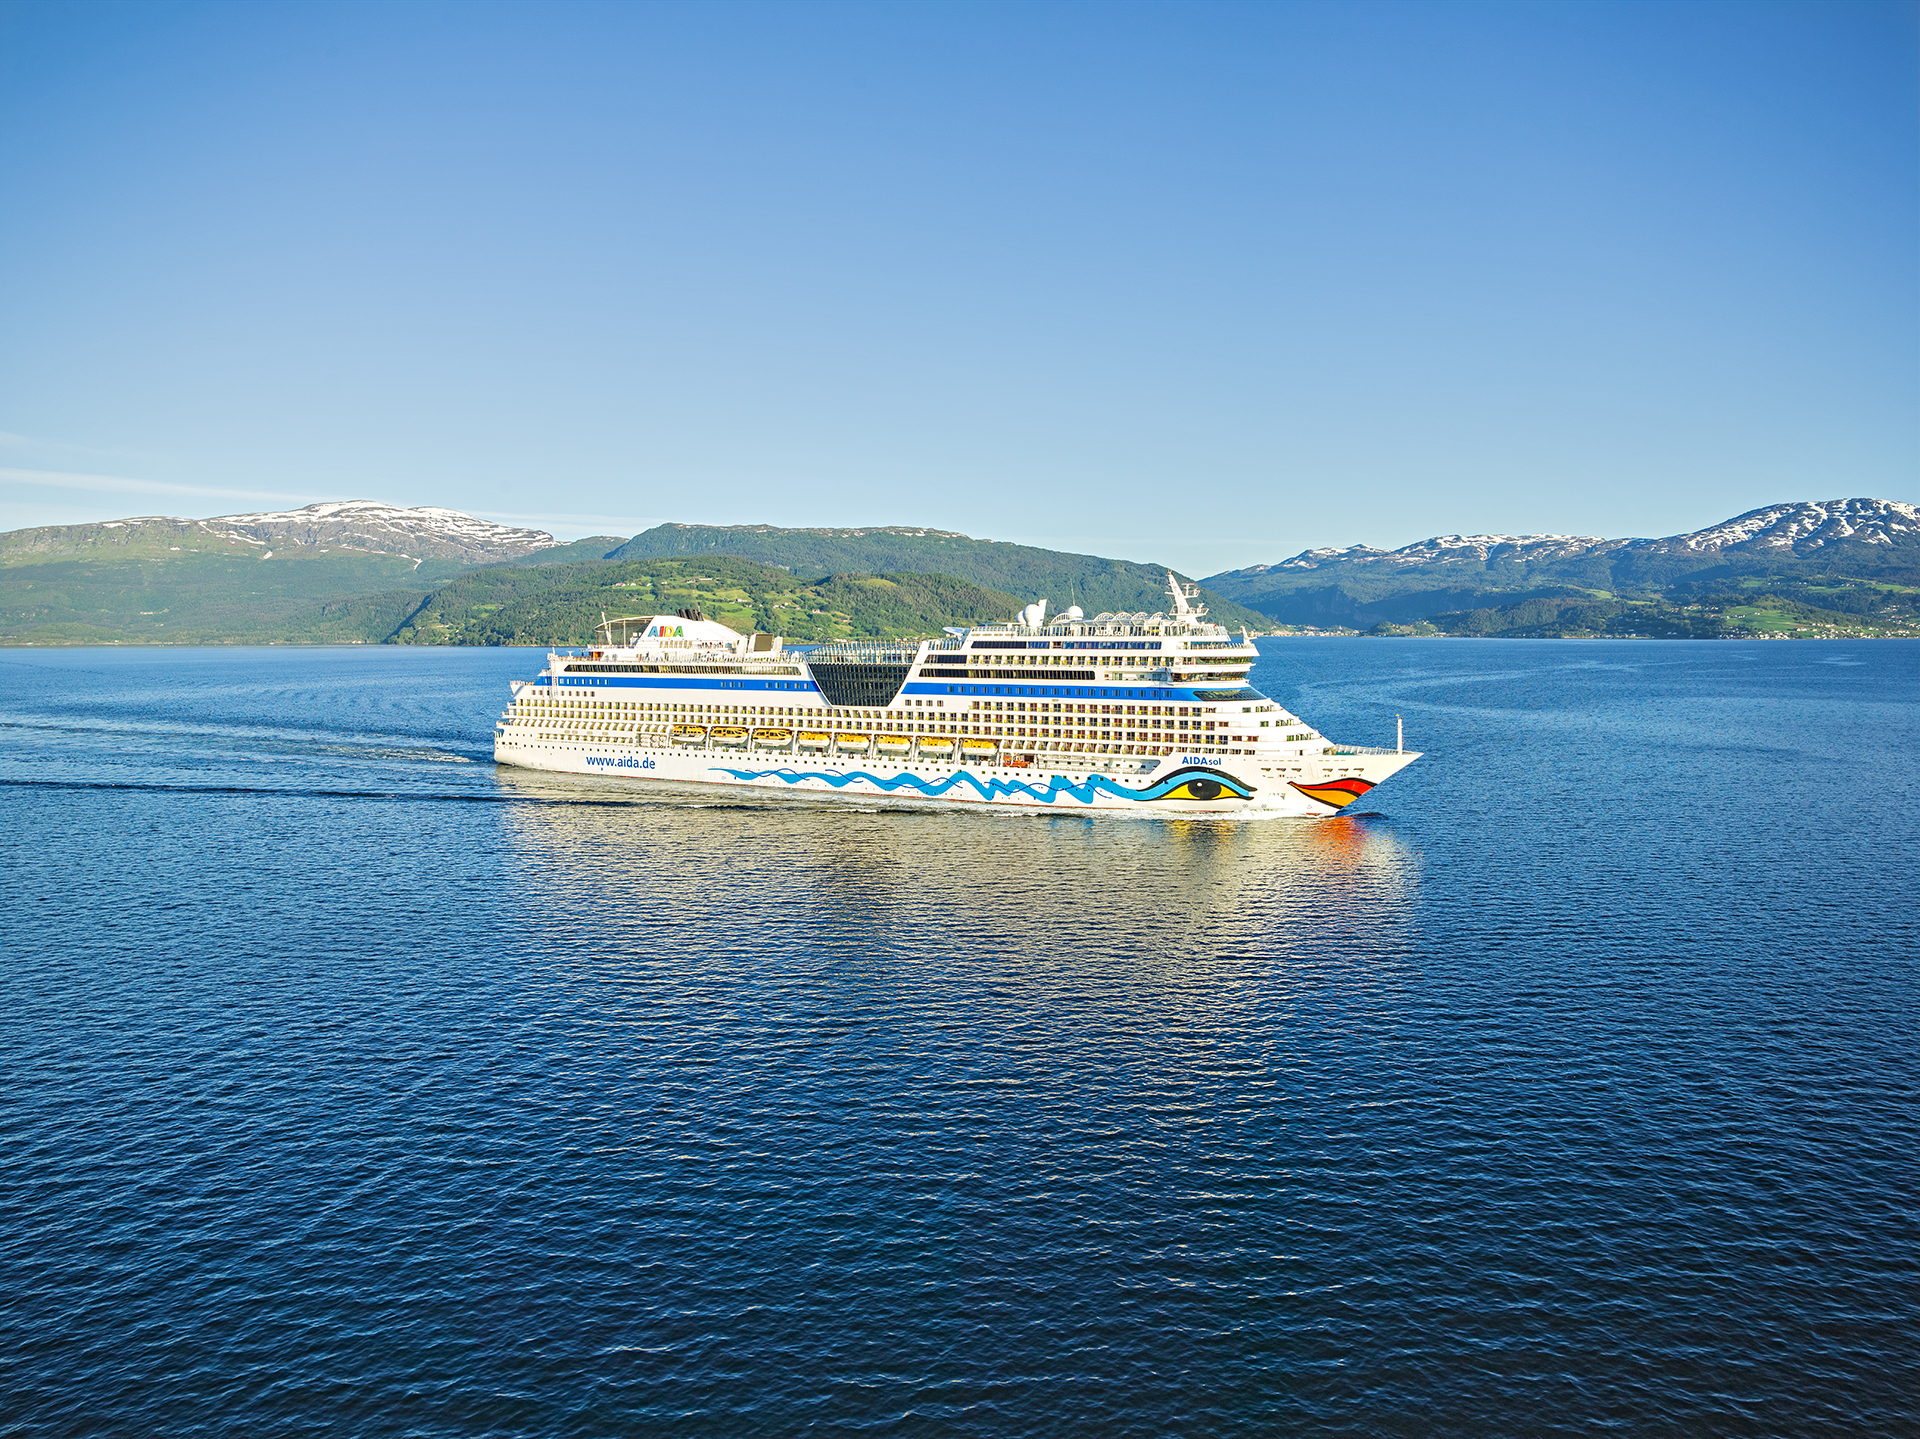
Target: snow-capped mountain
339,527
1800,529
1480,549
370,527
1803,527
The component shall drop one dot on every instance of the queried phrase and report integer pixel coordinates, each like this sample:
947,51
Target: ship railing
842,653
1082,629
1362,749
1094,629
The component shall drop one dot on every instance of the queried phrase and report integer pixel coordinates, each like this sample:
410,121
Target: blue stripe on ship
1057,786
1084,692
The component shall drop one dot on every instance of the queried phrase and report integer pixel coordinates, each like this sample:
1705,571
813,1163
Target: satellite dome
1074,612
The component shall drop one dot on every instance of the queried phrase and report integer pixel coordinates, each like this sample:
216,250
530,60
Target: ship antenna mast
1182,610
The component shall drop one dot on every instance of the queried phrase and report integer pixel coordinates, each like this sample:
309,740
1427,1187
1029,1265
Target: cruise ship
1117,712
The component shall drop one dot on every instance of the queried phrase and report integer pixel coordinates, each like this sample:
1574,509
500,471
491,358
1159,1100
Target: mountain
561,604
376,529
357,571
359,527
1090,581
362,572
1802,529
1865,542
346,571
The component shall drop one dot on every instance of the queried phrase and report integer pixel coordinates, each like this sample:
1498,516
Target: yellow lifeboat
852,743
772,738
979,746
936,744
689,734
730,735
894,743
815,739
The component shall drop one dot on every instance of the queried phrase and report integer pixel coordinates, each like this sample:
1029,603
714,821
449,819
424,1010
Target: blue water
354,1087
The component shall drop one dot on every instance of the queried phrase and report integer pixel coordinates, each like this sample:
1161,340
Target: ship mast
1183,595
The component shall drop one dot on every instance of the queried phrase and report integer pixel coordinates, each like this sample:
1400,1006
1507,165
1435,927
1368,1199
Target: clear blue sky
1208,282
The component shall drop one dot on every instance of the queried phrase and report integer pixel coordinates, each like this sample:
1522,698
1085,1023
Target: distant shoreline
16,644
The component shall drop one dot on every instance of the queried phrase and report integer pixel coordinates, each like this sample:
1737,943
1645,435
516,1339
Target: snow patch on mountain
1804,526
1797,528
369,527
1480,549
1313,559
1503,549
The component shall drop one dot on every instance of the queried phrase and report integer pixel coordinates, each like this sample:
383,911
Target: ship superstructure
1120,711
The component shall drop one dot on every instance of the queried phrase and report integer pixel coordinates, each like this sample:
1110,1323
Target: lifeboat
978,746
773,739
894,743
732,736
815,739
689,734
852,743
936,744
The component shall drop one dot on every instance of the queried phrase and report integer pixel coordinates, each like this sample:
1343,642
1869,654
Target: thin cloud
124,485
13,440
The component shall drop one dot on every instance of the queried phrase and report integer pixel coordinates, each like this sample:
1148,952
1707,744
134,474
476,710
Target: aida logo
667,632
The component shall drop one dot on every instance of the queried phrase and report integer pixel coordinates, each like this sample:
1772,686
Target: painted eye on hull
1198,784
1197,789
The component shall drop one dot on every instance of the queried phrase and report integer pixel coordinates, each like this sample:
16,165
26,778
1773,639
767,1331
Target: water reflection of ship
975,877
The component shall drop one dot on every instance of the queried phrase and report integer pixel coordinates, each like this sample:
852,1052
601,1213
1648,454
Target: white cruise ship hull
1121,712
1187,784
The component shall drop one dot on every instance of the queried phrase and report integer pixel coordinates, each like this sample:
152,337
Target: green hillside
1093,583
217,594
169,581
597,547
1780,606
1870,587
561,604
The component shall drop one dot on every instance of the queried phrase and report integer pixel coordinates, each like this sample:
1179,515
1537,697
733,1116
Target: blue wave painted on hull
1056,787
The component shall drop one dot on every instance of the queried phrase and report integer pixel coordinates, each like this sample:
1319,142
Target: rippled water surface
355,1087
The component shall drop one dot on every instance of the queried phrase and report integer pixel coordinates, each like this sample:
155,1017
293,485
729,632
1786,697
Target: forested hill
365,572
561,604
1090,581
